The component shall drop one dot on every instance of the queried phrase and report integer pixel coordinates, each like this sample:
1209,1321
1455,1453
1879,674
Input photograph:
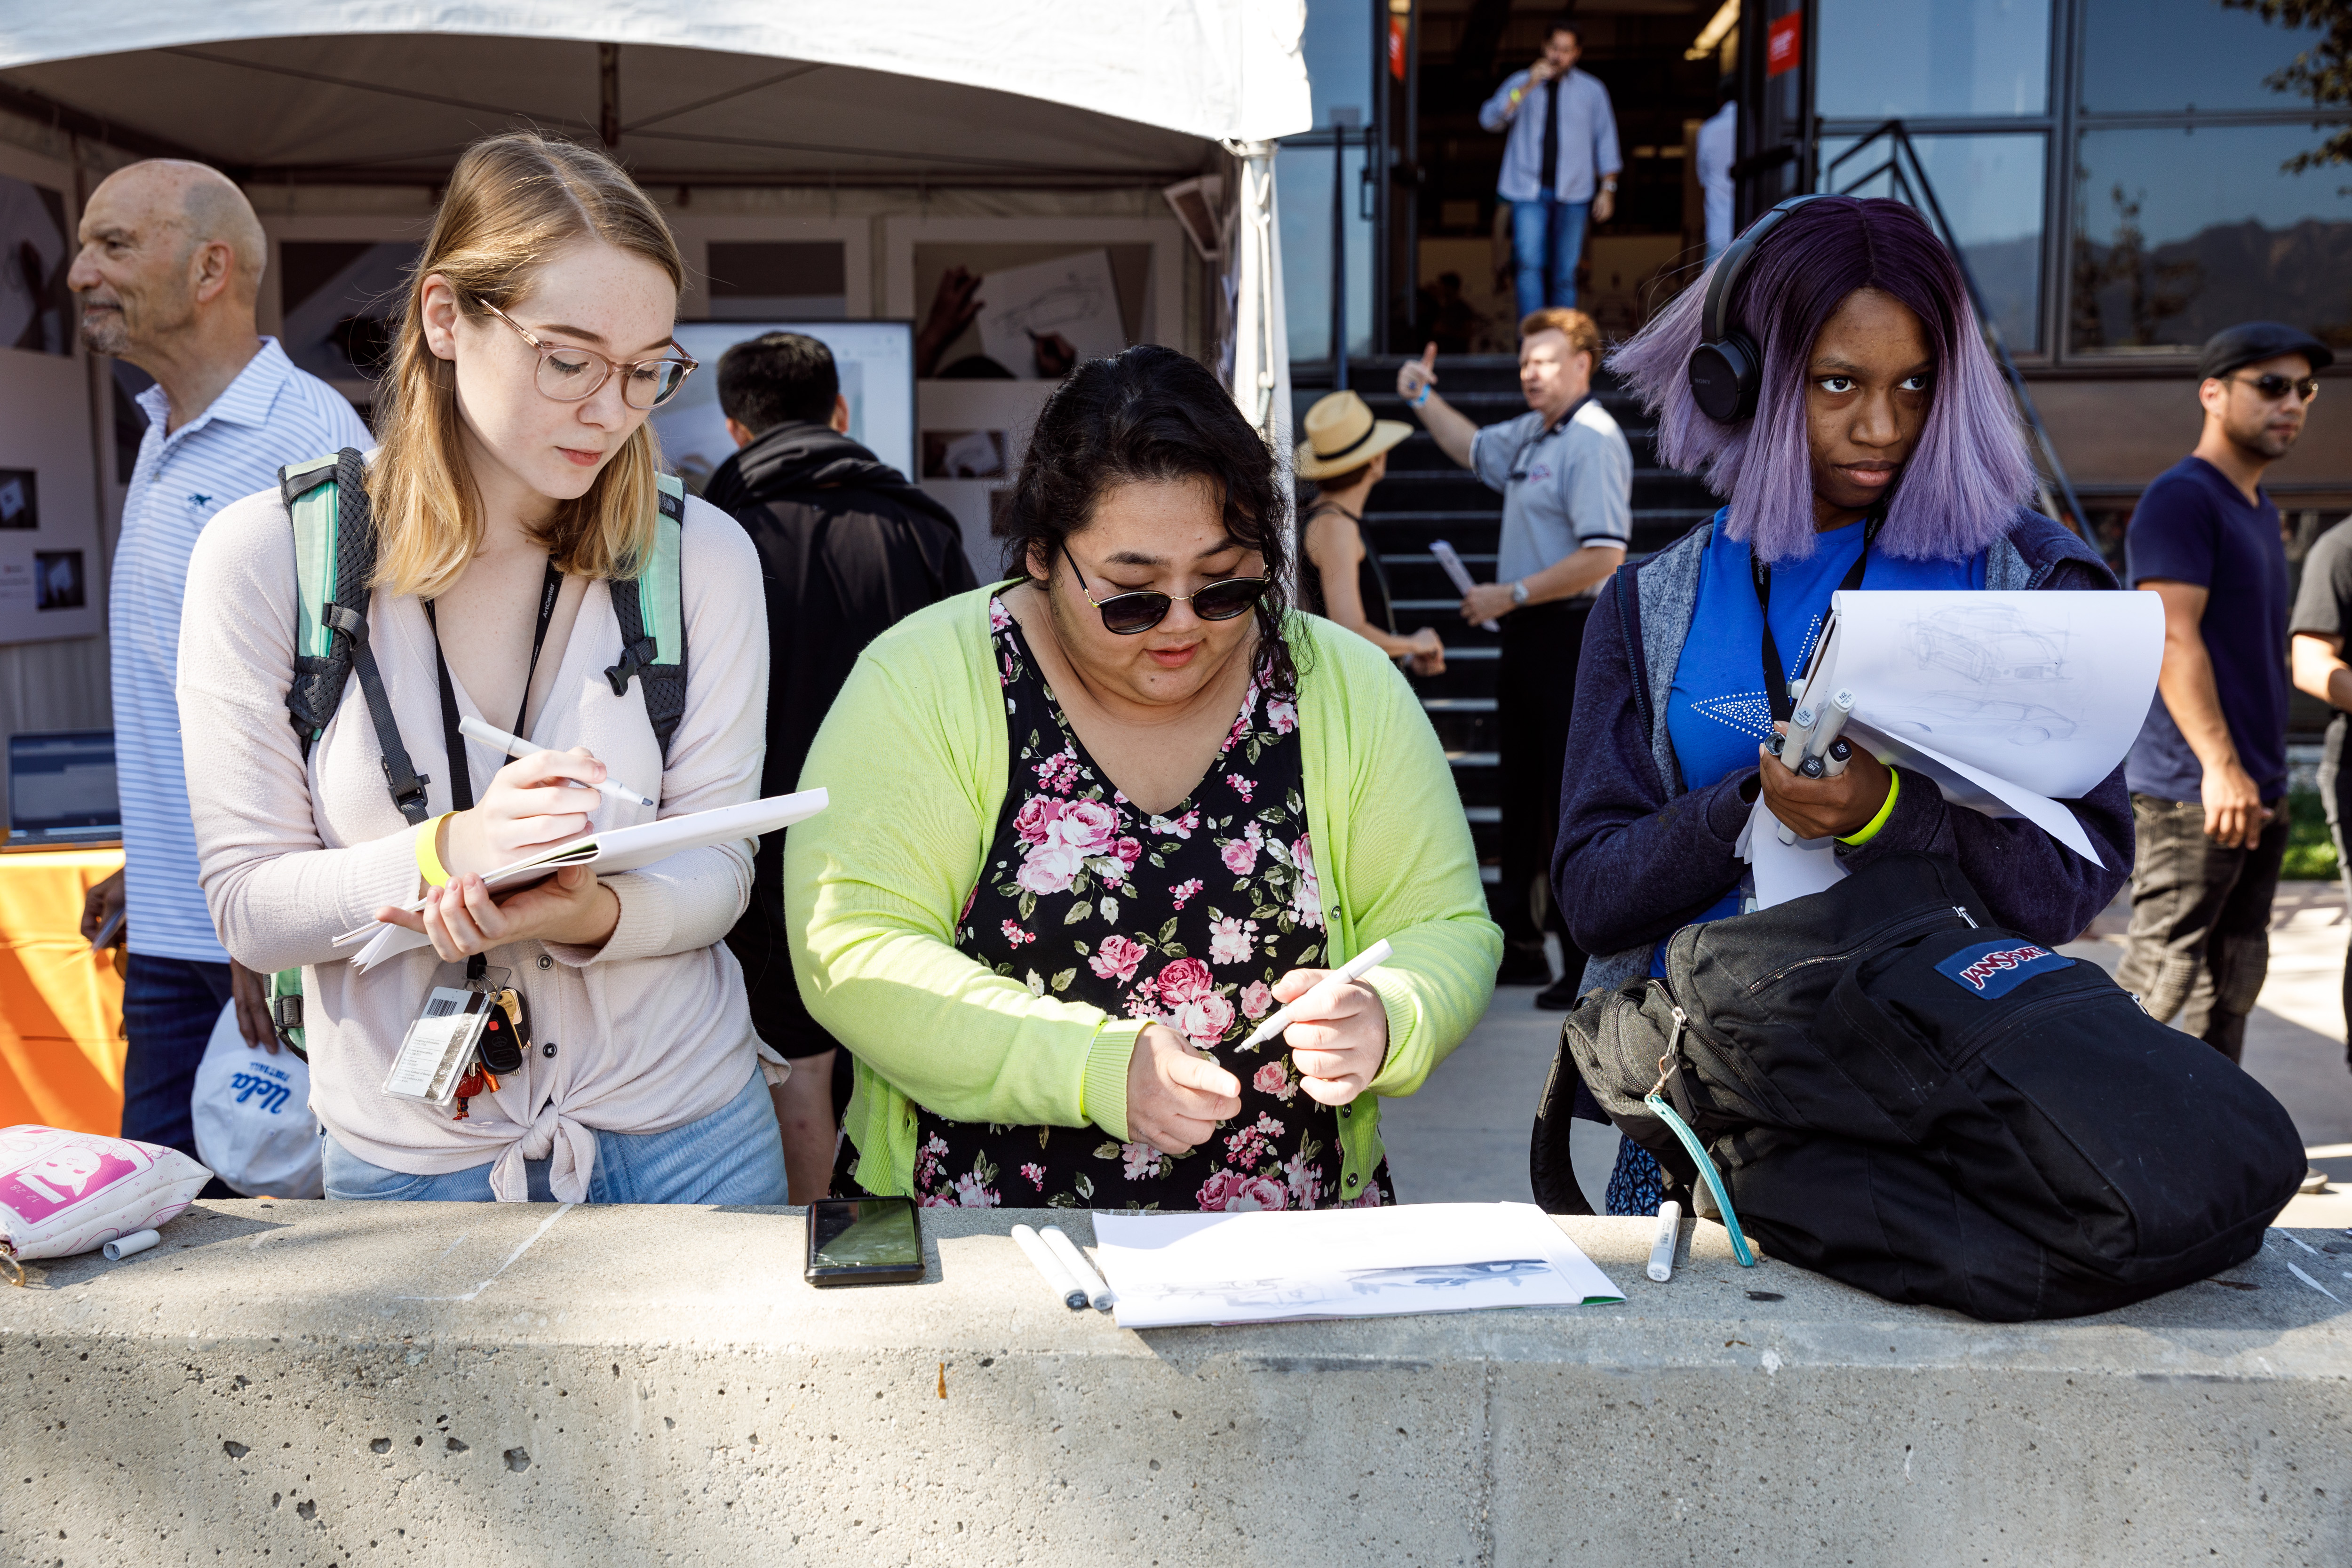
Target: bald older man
171,260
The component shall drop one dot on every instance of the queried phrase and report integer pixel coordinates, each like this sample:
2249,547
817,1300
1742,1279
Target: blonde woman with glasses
516,486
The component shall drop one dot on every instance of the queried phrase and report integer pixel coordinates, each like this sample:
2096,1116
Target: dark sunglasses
2276,387
1129,614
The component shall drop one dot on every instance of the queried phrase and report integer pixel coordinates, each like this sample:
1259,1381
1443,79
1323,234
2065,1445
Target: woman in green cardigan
1092,825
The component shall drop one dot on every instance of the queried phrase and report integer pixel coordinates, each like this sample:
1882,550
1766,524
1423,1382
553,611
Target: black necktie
1549,179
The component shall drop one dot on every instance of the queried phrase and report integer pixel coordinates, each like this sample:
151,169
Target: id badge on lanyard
466,1035
474,1029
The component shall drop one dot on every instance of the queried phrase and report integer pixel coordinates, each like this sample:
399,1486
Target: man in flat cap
2208,774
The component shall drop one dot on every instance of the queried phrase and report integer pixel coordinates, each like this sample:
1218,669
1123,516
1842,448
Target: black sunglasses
2275,386
1130,615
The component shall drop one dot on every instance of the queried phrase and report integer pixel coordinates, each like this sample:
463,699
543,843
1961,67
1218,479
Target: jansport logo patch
1996,968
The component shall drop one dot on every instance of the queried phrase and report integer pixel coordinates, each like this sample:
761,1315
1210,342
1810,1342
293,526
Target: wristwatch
1519,592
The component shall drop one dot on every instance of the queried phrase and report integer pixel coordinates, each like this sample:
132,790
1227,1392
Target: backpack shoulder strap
334,570
650,607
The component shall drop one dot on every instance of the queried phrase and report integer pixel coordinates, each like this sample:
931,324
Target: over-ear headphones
1726,370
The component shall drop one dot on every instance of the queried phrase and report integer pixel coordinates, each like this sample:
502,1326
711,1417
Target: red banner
1396,47
1784,44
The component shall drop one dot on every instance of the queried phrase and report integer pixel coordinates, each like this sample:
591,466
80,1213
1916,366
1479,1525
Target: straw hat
1342,437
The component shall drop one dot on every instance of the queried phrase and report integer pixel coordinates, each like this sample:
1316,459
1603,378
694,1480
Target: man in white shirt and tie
1560,164
170,267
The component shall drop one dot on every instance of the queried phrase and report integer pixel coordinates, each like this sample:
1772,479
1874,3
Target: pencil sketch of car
1445,1275
1986,643
1073,299
1959,716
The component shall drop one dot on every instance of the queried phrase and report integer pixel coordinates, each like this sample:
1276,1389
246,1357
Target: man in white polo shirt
1566,478
172,258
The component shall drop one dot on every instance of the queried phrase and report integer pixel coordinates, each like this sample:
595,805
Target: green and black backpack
335,568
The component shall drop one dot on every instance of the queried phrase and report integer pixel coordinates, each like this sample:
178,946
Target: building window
1919,59
1991,189
2200,195
2183,57
2181,231
1302,199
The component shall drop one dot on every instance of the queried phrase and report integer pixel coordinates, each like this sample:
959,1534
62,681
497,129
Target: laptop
61,792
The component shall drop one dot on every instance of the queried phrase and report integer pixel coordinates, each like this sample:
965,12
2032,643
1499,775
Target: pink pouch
63,1193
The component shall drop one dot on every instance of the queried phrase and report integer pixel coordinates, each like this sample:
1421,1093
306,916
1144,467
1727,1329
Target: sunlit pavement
1464,1138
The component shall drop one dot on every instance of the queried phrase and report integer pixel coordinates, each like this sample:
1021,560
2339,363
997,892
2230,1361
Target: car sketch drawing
1986,643
1446,1276
1961,716
1053,309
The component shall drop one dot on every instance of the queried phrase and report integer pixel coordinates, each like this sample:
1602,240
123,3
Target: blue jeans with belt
734,1155
1546,240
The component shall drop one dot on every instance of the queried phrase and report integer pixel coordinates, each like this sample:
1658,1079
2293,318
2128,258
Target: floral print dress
1187,917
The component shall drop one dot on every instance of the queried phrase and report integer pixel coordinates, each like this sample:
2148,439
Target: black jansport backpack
1902,1095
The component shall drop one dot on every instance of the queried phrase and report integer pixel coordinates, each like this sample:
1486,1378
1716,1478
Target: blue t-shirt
1717,713
2192,525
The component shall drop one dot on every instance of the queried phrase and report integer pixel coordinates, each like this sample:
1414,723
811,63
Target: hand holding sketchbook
2011,702
610,850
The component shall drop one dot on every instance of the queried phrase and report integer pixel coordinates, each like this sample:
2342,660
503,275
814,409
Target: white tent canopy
1016,91
1035,94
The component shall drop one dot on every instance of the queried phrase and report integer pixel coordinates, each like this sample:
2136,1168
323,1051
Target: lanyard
461,781
1776,674
1520,458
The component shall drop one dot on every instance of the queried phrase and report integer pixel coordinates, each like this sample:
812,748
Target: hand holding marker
516,746
1355,969
1820,754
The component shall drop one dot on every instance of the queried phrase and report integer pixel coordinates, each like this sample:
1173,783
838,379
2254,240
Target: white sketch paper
2010,702
1785,871
1071,295
2044,690
1257,1268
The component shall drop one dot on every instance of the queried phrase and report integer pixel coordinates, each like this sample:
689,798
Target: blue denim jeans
734,1155
1546,239
169,1009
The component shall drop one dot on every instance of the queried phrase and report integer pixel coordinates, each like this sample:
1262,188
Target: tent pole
1261,345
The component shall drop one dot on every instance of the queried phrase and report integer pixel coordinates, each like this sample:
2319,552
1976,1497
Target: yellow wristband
1869,830
428,853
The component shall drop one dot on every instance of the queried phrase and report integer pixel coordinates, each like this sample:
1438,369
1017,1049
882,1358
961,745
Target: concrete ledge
453,1383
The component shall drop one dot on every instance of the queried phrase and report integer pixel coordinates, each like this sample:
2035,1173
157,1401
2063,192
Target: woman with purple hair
1882,451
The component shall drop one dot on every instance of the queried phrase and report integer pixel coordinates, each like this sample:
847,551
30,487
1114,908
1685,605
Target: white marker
1661,1251
516,746
131,1246
1098,1293
1833,719
1355,969
1067,1291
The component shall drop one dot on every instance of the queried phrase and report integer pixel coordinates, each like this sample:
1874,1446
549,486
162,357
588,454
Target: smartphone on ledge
864,1241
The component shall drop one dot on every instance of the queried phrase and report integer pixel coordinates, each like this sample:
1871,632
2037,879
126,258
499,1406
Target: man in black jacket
847,546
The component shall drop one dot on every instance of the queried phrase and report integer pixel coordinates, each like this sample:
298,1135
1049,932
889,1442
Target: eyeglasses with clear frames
570,374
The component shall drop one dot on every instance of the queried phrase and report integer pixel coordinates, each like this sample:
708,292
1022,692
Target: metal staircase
1426,497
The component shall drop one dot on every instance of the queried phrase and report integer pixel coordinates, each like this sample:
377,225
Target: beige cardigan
648,1033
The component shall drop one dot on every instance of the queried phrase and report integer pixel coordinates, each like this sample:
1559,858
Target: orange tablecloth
61,1003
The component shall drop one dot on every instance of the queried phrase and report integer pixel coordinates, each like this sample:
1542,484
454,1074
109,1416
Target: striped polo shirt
272,414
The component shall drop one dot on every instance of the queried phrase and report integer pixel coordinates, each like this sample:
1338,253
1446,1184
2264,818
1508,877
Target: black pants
2335,794
2199,945
1534,692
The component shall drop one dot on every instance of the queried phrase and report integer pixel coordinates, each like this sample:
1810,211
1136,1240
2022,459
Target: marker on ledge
1057,1241
1661,1251
1072,1294
1355,969
516,746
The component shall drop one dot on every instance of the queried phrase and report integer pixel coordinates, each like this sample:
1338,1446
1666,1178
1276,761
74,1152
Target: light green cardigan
915,757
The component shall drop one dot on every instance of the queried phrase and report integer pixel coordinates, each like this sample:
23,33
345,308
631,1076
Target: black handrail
1906,175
